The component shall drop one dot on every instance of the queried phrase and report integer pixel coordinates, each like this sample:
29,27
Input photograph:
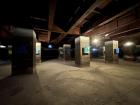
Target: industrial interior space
70,52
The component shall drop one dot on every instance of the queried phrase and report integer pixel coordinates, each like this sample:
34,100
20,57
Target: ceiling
61,20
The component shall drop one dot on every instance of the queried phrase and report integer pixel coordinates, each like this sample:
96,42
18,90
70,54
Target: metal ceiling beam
90,10
52,8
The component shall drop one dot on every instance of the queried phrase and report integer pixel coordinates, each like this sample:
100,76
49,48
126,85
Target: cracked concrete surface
61,83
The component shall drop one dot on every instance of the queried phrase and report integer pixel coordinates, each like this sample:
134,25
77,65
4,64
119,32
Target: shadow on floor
21,90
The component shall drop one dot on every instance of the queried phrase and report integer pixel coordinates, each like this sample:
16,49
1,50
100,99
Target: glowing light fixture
106,35
2,46
95,41
94,49
50,46
127,44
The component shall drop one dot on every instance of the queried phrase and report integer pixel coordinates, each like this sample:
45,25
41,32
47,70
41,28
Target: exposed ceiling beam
130,27
42,38
119,34
37,18
128,36
56,29
75,31
52,8
120,14
90,10
88,32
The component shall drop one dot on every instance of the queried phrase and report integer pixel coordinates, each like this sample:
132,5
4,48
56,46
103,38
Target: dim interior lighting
49,46
106,35
38,44
9,46
95,41
127,44
94,49
2,46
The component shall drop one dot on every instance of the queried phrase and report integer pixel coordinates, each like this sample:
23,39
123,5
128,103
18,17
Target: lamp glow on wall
128,44
95,41
50,46
94,49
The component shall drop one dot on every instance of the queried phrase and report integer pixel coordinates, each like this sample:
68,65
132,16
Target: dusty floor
61,83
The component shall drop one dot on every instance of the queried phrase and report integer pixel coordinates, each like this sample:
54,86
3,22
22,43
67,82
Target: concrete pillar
23,51
38,52
61,53
67,53
82,51
111,51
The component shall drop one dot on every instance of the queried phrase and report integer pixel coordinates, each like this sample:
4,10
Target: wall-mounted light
50,46
2,46
127,44
95,40
94,49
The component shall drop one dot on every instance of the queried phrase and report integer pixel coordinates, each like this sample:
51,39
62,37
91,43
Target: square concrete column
23,51
61,53
82,51
111,51
67,53
38,52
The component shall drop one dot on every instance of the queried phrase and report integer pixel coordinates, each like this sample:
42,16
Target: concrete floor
60,83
